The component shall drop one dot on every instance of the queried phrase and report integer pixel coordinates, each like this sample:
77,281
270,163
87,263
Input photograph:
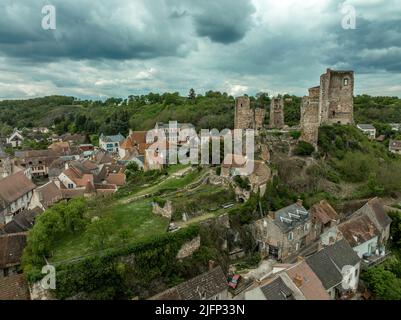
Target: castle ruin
247,117
330,103
276,113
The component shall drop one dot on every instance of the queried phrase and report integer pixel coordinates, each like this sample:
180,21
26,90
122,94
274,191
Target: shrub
304,148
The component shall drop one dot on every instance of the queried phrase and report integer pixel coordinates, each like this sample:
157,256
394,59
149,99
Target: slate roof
366,126
11,248
115,138
14,287
328,263
277,290
21,222
202,287
284,215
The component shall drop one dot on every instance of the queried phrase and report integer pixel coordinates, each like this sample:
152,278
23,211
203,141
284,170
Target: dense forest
211,110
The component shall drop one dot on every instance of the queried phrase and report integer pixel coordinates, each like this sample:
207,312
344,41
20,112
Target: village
314,253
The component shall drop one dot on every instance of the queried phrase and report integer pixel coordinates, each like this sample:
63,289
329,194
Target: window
70,186
306,227
297,247
290,236
346,82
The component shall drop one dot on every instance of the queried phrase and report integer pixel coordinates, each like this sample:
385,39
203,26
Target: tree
192,94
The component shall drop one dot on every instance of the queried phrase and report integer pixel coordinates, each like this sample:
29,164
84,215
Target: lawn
127,223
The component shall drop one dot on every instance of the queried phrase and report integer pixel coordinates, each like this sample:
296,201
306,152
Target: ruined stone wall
310,120
189,248
259,118
276,113
337,97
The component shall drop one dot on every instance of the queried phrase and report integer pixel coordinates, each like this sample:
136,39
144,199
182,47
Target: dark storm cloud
373,45
224,21
92,30
104,47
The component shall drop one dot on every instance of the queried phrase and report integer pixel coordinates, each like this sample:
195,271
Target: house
367,129
15,139
42,130
374,209
60,148
279,287
361,234
135,145
38,161
14,287
324,216
211,285
284,233
307,281
74,139
395,146
102,157
111,143
111,174
337,267
11,249
157,155
45,196
75,176
21,222
16,192
395,126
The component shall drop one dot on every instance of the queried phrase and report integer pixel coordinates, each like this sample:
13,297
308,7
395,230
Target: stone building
330,103
282,234
246,117
276,113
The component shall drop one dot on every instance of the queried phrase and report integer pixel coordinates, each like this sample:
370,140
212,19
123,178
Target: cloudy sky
108,48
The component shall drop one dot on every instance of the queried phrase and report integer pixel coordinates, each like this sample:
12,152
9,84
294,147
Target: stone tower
330,103
337,97
277,113
310,120
246,117
243,113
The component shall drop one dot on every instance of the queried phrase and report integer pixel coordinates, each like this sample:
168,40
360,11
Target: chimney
212,265
298,280
130,132
300,202
66,166
272,215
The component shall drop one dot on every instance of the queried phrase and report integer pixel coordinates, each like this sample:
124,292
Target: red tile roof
14,287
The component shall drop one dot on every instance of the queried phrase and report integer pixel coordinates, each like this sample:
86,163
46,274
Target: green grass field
125,222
